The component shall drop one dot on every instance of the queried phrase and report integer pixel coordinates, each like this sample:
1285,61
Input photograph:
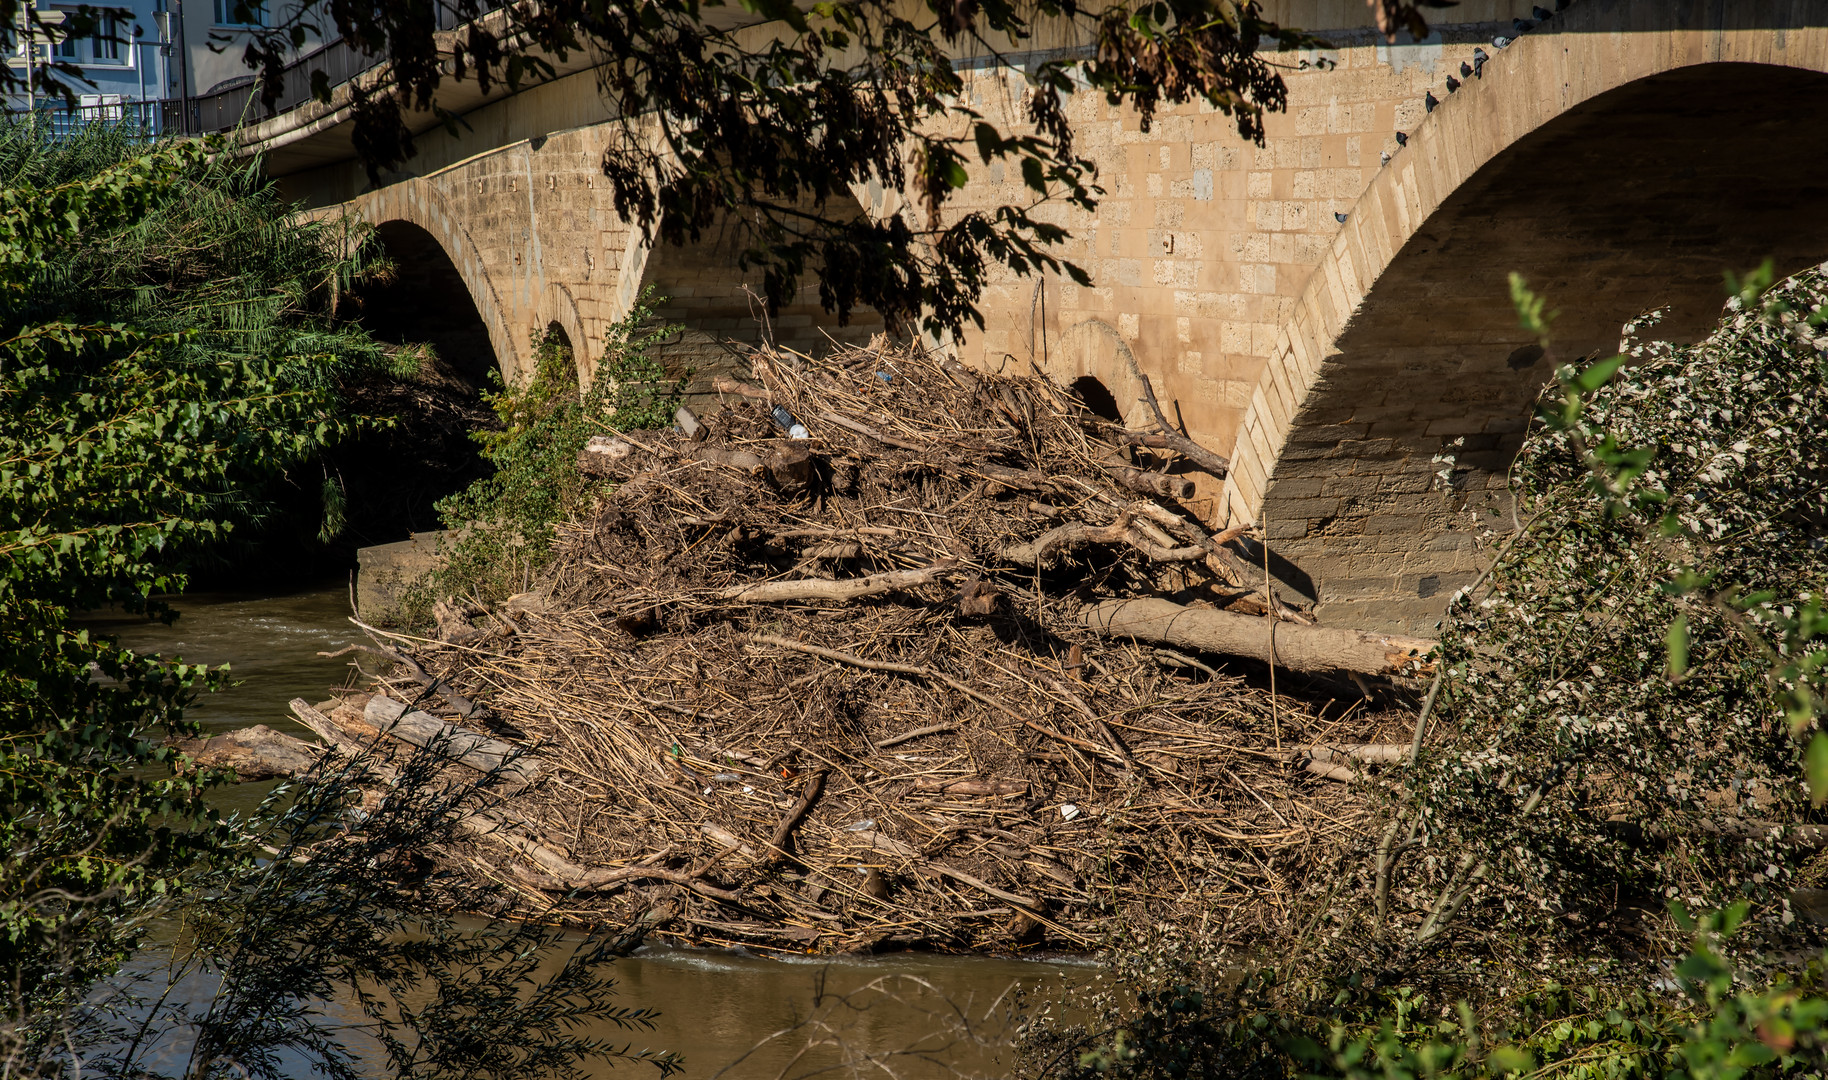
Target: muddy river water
731,1015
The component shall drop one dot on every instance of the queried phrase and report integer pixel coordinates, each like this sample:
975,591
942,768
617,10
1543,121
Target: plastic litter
786,422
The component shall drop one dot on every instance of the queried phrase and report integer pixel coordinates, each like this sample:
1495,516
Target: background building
148,61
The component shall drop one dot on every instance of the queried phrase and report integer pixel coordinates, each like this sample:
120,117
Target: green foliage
1705,1030
507,520
168,344
207,255
1632,703
1177,1011
117,449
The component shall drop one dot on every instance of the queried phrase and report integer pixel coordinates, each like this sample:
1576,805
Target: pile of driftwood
886,652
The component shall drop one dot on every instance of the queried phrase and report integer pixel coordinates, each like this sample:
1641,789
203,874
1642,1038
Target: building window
241,13
63,46
110,44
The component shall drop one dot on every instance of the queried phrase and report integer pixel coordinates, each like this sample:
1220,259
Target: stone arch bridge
1366,376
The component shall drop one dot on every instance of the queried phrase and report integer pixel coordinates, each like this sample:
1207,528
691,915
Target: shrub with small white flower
1630,713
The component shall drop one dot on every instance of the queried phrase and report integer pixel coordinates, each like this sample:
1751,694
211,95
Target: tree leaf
1815,768
1596,374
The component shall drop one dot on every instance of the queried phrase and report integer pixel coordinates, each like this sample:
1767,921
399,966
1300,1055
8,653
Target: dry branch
783,833
1046,548
1181,444
838,591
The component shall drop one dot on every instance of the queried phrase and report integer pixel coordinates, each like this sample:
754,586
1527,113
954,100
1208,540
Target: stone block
1296,488
1393,524
1456,425
1333,433
1310,509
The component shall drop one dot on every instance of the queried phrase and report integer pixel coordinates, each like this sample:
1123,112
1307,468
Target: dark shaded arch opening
1096,396
394,477
424,300
555,355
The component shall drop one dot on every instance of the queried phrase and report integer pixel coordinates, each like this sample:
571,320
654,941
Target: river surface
732,1016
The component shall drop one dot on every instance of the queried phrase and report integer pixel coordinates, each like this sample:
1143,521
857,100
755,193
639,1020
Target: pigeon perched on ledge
1429,101
1339,217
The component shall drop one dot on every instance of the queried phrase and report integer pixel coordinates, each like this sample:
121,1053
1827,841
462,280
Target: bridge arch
414,215
558,309
1092,358
1619,162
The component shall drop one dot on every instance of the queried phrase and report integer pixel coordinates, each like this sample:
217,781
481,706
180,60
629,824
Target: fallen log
724,384
740,460
255,753
471,748
1288,645
333,734
1151,483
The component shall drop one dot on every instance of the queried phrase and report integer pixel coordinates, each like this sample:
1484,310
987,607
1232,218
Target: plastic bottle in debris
785,420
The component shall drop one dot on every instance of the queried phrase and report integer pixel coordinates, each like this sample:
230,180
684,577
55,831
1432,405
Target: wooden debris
1297,647
880,686
480,752
255,753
